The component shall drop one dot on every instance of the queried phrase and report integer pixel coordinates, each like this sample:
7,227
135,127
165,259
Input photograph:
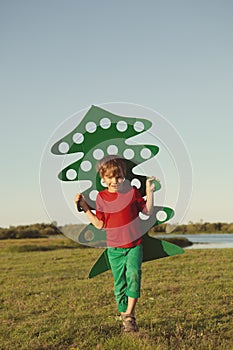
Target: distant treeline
46,230
29,231
198,227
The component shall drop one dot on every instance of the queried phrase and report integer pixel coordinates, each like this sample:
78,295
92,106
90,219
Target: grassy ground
46,302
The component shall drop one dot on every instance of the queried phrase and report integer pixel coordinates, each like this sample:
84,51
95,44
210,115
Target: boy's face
113,182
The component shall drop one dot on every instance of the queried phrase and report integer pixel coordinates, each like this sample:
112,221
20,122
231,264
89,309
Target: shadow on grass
41,248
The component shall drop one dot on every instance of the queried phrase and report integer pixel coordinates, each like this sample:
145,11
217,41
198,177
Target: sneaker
129,323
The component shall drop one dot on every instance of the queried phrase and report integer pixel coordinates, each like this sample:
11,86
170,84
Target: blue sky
58,57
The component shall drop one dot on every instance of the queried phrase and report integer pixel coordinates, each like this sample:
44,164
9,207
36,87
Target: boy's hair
113,164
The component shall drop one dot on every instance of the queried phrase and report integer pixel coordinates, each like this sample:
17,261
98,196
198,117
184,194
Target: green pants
126,268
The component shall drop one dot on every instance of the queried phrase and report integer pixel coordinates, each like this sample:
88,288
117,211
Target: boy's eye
113,177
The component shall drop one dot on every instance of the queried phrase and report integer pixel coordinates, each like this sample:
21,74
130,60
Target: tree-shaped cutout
102,133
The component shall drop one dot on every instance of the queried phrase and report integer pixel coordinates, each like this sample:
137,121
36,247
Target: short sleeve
99,209
141,203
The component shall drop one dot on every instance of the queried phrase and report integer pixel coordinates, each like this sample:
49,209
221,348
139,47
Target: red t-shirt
119,212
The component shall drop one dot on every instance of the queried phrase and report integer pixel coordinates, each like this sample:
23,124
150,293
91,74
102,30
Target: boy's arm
150,186
90,215
93,219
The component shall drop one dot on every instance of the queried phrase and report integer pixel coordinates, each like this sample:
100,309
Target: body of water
205,241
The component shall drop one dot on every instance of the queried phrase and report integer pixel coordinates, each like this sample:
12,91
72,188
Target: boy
117,211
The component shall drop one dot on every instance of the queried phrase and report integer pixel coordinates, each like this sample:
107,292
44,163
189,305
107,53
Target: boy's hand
81,203
77,197
150,184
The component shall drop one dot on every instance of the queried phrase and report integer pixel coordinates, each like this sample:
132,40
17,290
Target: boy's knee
134,275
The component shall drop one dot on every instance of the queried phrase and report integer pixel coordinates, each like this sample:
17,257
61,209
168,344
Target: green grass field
47,302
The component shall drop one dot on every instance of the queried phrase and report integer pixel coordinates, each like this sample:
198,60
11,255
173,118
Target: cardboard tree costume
102,133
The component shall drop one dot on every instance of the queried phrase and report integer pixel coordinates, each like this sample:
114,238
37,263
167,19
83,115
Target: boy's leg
133,276
131,306
117,259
